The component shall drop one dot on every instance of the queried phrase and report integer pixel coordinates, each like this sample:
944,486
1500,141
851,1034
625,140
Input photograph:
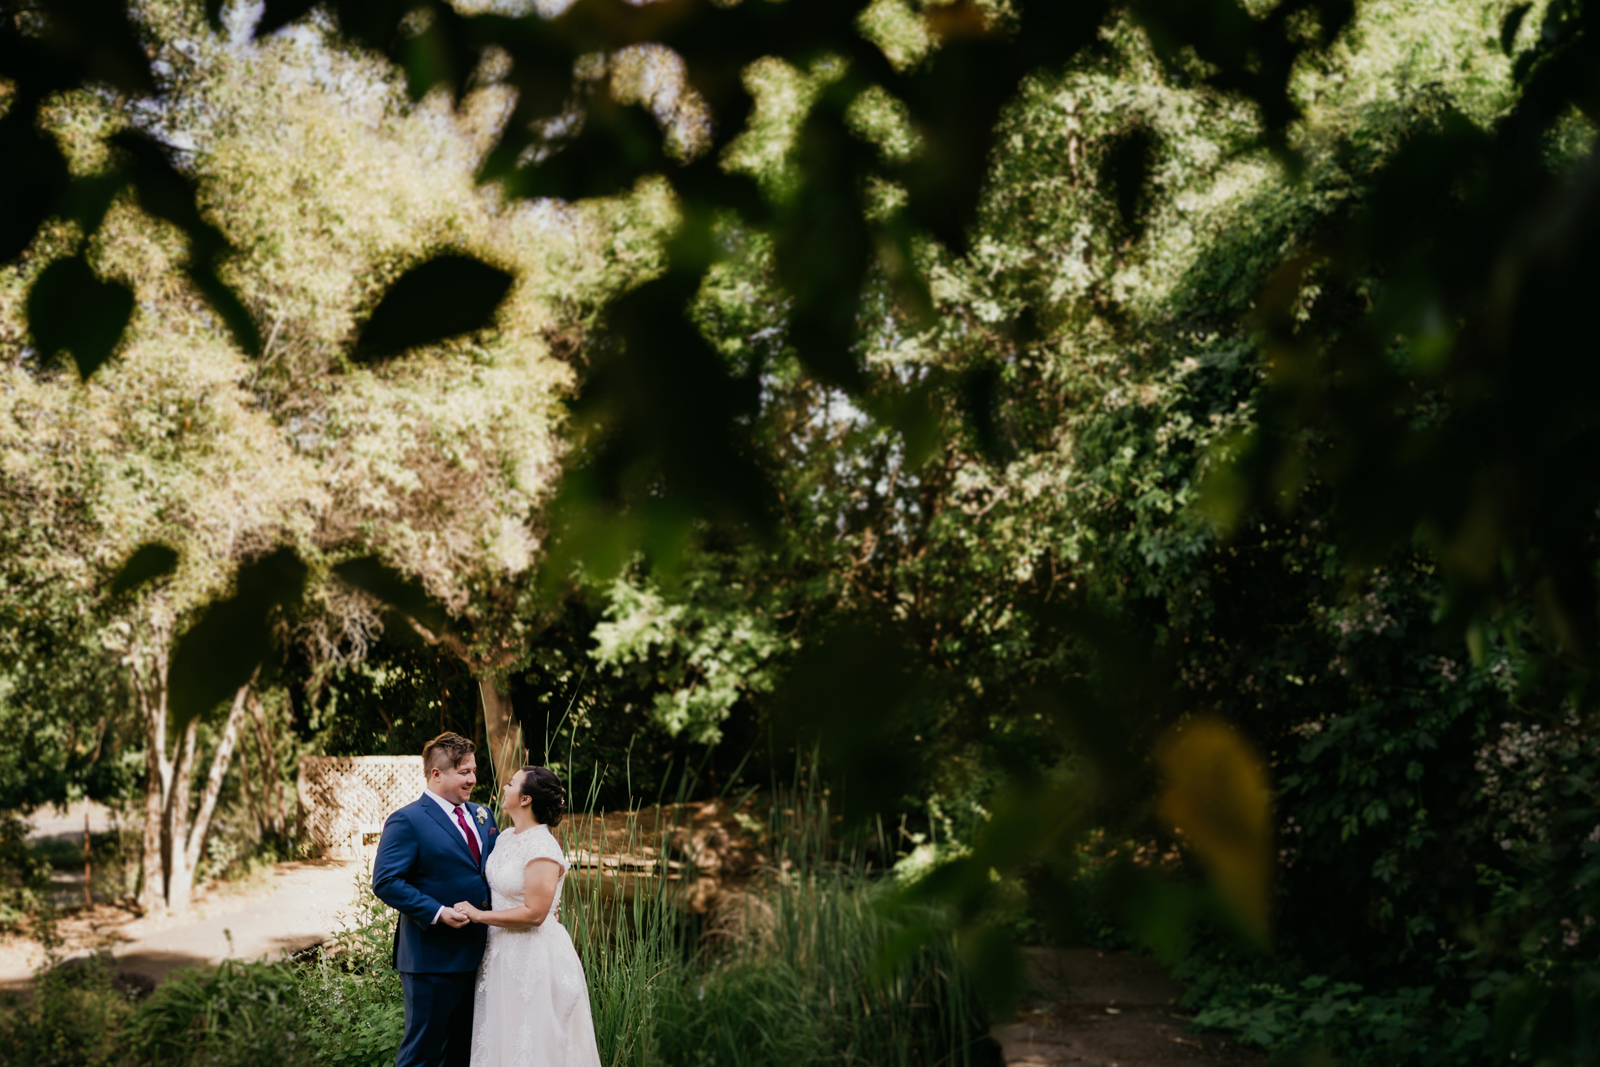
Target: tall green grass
788,969
810,990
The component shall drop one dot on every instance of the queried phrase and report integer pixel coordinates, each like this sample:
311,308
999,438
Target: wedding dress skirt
531,1008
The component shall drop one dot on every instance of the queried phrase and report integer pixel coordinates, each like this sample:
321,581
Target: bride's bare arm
538,891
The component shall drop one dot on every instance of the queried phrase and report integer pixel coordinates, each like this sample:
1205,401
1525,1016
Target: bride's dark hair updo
547,796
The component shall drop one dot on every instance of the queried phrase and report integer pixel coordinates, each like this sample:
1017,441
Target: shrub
1407,1025
72,1018
24,873
238,1015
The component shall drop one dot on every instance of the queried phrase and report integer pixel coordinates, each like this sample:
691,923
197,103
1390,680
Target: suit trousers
438,1019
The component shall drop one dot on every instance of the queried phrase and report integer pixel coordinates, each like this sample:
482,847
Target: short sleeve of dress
544,846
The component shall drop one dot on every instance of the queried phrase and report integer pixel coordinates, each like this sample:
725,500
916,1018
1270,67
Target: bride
532,1002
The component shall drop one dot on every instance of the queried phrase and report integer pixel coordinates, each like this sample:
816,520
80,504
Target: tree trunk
507,748
219,770
186,835
149,674
180,877
153,886
172,840
507,754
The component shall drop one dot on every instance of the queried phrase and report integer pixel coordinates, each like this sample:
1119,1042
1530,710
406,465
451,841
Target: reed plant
809,988
788,969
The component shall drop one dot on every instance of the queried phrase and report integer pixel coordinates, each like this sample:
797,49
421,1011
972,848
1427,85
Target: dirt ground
1109,1009
705,838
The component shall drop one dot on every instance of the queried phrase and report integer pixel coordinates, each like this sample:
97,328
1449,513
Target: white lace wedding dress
532,1002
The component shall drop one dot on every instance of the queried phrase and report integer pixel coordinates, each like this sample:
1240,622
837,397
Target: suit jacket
423,863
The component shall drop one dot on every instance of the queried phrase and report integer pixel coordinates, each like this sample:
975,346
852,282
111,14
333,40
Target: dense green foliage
1086,562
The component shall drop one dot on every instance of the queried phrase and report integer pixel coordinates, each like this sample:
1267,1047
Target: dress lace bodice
512,853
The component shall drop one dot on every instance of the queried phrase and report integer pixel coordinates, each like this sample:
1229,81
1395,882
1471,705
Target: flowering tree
224,489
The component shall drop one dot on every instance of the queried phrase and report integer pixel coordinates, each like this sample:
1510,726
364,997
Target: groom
432,852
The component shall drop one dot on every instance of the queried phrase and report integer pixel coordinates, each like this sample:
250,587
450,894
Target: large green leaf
72,310
445,297
404,594
148,563
231,638
32,179
1218,797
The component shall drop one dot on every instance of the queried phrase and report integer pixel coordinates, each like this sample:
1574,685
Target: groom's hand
453,917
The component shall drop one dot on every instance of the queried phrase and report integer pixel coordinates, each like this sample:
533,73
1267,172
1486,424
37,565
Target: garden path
294,906
303,908
1095,1007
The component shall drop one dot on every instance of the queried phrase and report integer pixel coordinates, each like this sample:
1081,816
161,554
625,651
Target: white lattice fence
345,799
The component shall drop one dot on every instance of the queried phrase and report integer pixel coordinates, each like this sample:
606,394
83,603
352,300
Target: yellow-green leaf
1217,796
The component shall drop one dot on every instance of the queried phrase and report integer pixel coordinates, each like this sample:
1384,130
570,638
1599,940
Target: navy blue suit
424,863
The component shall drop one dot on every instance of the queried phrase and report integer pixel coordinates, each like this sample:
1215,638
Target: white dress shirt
450,813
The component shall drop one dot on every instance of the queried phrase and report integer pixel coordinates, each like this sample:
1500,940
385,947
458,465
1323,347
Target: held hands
456,917
467,912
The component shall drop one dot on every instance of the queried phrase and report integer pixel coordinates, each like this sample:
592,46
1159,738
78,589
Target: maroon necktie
472,842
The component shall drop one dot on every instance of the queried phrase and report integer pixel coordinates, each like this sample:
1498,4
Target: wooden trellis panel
345,799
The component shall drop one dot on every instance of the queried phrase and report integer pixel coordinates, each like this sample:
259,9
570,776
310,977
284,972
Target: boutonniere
483,816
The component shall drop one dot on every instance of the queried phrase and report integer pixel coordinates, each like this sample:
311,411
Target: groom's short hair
446,750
